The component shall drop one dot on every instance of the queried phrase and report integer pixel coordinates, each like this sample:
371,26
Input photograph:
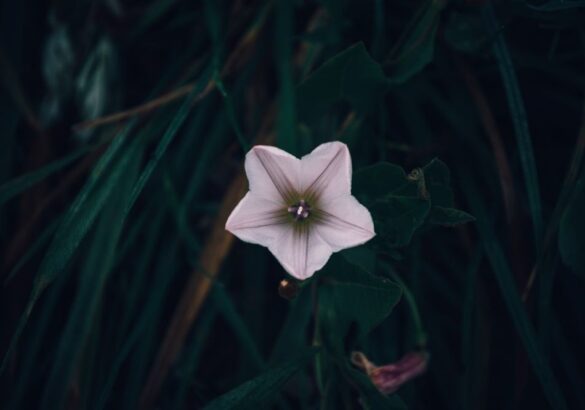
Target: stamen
300,211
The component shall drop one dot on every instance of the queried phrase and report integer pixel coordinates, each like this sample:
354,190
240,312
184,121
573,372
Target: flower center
300,211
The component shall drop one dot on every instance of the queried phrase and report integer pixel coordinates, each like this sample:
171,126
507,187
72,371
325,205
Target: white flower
301,209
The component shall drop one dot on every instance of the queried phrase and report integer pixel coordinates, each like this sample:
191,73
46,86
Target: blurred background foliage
124,125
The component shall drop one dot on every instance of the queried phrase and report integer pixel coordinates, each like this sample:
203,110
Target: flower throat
300,211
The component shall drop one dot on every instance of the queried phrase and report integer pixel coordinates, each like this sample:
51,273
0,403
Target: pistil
300,211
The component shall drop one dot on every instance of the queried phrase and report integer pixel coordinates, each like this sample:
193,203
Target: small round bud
288,289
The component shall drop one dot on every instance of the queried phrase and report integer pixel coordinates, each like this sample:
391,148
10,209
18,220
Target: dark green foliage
465,124
572,231
258,392
350,76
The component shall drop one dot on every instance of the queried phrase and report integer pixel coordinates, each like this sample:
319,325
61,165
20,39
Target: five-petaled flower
301,209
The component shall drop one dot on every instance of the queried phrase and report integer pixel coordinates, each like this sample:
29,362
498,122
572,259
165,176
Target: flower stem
420,336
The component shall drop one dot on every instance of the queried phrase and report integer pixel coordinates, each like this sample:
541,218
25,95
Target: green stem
420,336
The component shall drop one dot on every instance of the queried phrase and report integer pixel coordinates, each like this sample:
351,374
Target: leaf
352,299
351,76
258,392
381,179
417,48
293,333
393,200
465,32
437,179
572,231
448,216
396,218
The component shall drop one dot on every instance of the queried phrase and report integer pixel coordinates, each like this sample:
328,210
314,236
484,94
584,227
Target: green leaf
381,179
417,47
572,231
437,179
393,199
448,216
350,299
396,218
351,76
293,332
465,32
259,392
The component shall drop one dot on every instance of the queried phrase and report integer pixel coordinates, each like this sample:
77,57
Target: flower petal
258,220
301,252
326,172
344,222
272,173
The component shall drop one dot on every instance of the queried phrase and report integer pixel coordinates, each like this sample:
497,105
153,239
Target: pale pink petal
301,252
258,220
272,173
344,222
326,172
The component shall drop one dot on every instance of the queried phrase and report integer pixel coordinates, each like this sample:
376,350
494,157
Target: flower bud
288,289
390,377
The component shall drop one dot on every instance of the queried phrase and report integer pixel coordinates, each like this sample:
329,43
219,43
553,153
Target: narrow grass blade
286,138
92,282
145,327
170,133
41,240
258,392
522,131
14,187
512,299
73,228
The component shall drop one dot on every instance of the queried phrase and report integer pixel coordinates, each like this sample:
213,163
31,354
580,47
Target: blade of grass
505,280
92,280
72,229
286,124
41,240
145,325
519,118
191,355
258,392
170,133
468,331
228,310
156,292
17,185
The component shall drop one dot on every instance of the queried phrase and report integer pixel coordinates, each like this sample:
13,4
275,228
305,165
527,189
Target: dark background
108,226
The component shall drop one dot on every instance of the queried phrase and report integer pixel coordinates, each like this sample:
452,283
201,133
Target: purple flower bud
390,377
